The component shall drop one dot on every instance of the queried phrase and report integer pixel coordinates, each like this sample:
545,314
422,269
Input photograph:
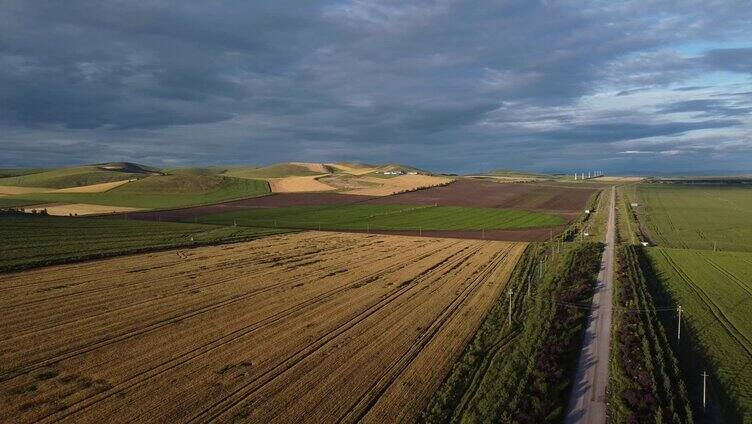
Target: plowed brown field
316,327
567,201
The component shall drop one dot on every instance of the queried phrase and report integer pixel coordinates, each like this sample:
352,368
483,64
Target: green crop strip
33,240
385,217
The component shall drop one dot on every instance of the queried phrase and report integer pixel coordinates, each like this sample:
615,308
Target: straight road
587,401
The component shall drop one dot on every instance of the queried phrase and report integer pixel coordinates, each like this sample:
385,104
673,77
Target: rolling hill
79,175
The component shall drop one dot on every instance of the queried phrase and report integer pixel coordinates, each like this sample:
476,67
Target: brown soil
314,327
562,200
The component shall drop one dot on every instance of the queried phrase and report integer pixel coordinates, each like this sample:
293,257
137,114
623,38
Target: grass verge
522,372
646,384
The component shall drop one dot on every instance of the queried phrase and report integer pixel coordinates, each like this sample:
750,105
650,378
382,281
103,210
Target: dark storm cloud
595,133
441,84
734,60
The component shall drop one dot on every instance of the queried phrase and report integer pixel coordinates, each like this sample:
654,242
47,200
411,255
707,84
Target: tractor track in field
242,393
156,325
216,344
370,398
368,315
182,291
713,307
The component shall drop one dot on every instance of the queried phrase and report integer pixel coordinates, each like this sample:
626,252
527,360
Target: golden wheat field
262,331
297,184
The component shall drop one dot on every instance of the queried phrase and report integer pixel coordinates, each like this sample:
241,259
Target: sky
628,87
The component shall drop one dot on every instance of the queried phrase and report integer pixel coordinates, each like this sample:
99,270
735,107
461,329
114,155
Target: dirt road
587,401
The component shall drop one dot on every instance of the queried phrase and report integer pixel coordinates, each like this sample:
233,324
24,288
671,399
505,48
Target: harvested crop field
563,200
263,331
13,190
297,184
94,188
353,169
79,209
388,186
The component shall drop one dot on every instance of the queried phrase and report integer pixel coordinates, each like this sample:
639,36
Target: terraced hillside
263,331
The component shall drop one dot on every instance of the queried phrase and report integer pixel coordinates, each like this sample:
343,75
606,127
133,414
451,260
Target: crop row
35,240
385,217
714,292
698,217
262,331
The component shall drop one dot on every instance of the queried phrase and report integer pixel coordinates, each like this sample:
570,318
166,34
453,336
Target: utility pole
704,389
510,306
678,327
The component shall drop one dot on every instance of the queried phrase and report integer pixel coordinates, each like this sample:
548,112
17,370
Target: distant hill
16,172
279,170
80,175
182,183
210,170
128,167
511,173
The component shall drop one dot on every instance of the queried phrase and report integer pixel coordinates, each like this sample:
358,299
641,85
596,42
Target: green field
72,177
162,191
15,172
697,217
715,291
386,217
29,240
11,202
